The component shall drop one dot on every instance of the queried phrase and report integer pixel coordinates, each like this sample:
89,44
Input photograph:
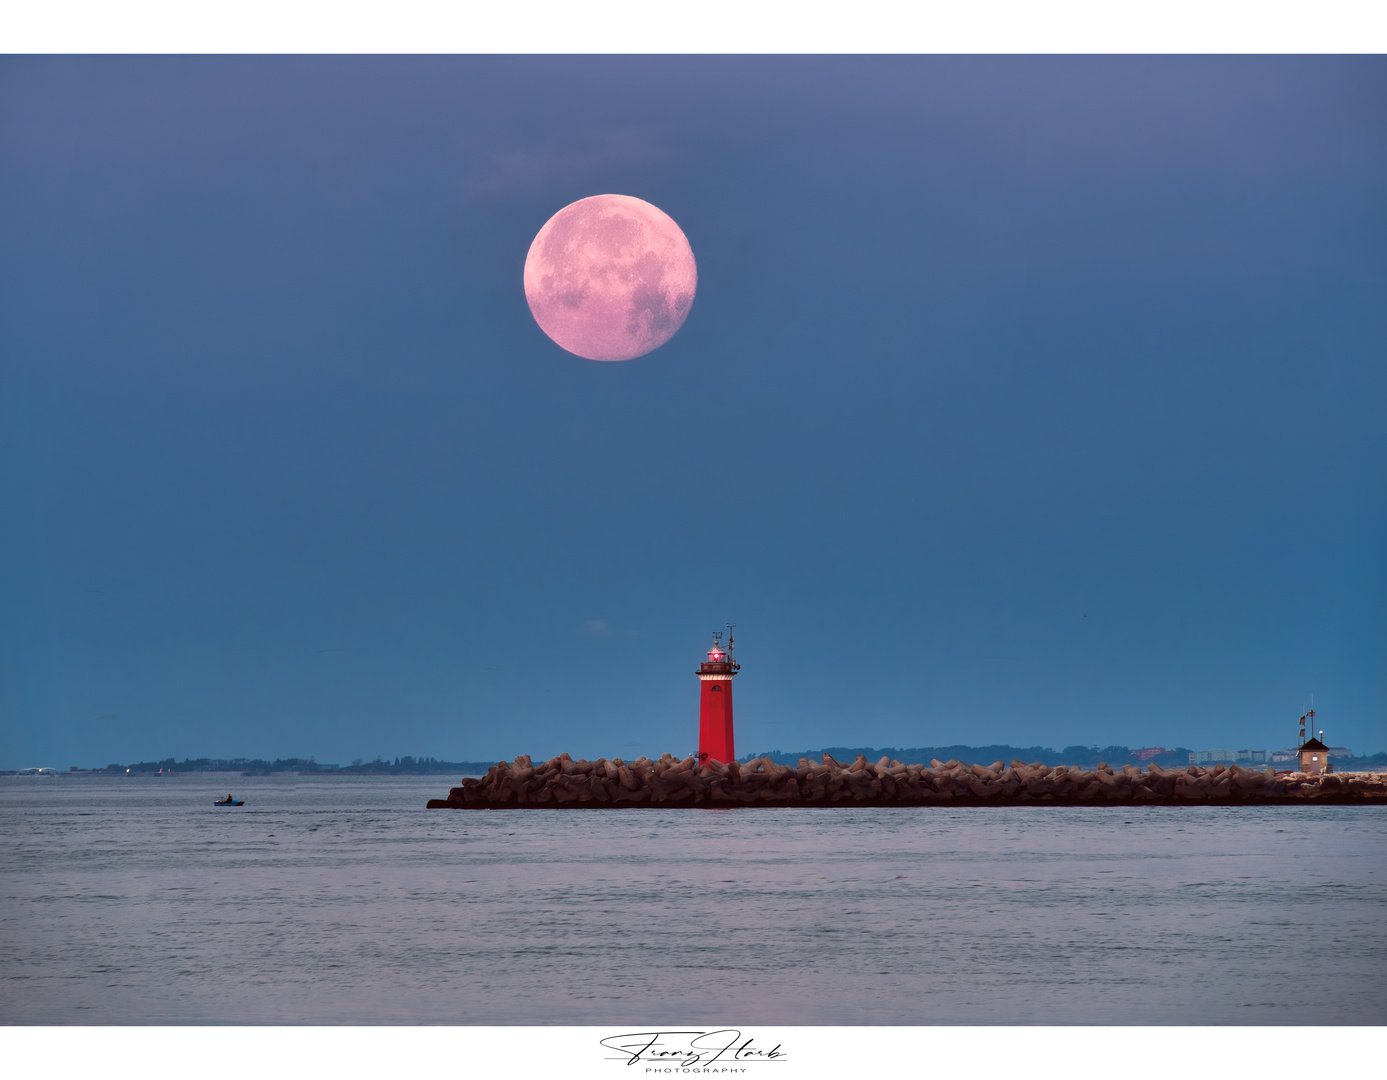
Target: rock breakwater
562,783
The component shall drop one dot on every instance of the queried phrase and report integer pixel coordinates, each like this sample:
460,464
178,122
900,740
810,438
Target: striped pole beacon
715,702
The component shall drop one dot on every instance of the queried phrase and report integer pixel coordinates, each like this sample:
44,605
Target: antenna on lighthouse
729,635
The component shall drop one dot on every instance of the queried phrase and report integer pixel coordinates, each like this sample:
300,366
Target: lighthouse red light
715,740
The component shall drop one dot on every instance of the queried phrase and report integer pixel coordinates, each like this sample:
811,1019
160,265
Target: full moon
610,277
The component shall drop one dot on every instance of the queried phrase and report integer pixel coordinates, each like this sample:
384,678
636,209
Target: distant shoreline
404,766
1073,756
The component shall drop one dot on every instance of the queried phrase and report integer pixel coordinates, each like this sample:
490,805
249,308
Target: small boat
229,801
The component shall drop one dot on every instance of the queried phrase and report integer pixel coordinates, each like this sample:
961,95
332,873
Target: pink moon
610,277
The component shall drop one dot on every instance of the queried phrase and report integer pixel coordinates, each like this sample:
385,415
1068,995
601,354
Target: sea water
341,900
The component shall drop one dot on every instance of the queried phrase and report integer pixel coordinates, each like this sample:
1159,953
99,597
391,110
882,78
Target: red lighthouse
715,702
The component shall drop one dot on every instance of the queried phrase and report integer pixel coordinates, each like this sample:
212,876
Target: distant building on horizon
1146,753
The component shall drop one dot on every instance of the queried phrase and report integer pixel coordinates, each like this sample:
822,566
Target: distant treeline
1083,756
1368,763
259,766
1116,756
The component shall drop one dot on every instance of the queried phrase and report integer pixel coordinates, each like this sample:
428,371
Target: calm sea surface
341,900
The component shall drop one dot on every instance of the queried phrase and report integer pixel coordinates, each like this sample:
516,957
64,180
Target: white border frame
709,26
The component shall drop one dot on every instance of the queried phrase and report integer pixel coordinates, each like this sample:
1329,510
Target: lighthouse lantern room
715,702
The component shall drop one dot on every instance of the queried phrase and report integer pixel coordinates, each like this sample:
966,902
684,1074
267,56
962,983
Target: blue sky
1024,399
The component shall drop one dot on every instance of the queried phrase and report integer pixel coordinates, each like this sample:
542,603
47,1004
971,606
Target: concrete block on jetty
562,783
